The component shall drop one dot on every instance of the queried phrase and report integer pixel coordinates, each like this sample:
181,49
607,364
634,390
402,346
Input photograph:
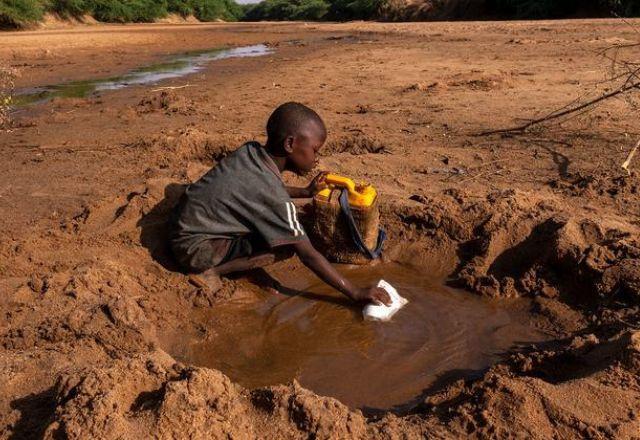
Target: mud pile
154,394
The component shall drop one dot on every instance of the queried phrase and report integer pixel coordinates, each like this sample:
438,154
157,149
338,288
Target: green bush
182,7
341,10
70,8
206,10
354,9
273,10
123,11
312,10
18,13
287,10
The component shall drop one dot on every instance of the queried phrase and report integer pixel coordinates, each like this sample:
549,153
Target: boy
240,216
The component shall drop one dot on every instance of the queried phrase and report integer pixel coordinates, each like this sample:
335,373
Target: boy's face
303,148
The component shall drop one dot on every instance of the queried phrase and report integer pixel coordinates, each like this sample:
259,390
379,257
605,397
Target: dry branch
555,114
632,153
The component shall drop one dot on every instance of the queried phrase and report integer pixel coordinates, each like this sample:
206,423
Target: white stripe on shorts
295,231
295,218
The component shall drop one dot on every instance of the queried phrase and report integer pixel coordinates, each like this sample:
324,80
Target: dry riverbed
541,227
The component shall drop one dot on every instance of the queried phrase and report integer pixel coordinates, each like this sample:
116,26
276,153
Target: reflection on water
331,350
182,65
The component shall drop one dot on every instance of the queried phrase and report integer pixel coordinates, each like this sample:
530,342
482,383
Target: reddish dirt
89,293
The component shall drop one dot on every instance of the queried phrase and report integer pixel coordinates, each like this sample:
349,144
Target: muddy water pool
319,339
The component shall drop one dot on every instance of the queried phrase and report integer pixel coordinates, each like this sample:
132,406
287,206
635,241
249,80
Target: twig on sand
555,114
632,153
171,88
483,174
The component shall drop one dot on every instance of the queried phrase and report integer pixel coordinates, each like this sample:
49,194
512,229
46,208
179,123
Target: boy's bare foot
208,280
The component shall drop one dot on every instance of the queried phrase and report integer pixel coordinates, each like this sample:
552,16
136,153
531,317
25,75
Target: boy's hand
315,261
374,295
317,184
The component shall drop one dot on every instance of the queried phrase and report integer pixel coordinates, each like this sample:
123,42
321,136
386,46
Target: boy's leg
209,279
244,254
241,264
202,262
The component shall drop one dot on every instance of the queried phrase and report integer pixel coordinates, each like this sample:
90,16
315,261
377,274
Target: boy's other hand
317,184
374,295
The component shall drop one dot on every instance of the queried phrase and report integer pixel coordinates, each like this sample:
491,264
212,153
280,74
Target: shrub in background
182,7
123,11
354,9
19,13
70,8
312,10
209,10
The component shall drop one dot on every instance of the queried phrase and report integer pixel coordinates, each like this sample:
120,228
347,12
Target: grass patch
20,13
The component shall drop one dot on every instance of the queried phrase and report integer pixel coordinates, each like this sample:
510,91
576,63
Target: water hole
316,337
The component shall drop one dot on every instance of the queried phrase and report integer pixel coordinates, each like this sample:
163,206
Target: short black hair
287,120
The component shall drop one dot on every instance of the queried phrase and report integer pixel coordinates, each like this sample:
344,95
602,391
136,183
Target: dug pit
319,338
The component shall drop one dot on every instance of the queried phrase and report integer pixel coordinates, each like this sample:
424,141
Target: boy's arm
299,193
316,185
315,261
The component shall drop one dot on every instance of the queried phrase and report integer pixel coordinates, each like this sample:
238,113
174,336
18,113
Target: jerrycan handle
359,196
340,182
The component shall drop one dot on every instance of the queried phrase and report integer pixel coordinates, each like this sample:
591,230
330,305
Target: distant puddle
176,67
442,334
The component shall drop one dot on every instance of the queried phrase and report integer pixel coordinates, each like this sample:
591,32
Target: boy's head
296,132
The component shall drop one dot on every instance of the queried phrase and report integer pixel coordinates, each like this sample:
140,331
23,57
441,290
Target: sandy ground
89,292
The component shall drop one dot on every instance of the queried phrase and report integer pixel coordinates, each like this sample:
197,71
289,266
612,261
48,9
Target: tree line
20,13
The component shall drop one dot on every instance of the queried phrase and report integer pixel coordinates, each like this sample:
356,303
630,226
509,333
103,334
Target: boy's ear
288,144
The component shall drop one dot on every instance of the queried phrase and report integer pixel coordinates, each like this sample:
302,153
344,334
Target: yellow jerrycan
346,222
